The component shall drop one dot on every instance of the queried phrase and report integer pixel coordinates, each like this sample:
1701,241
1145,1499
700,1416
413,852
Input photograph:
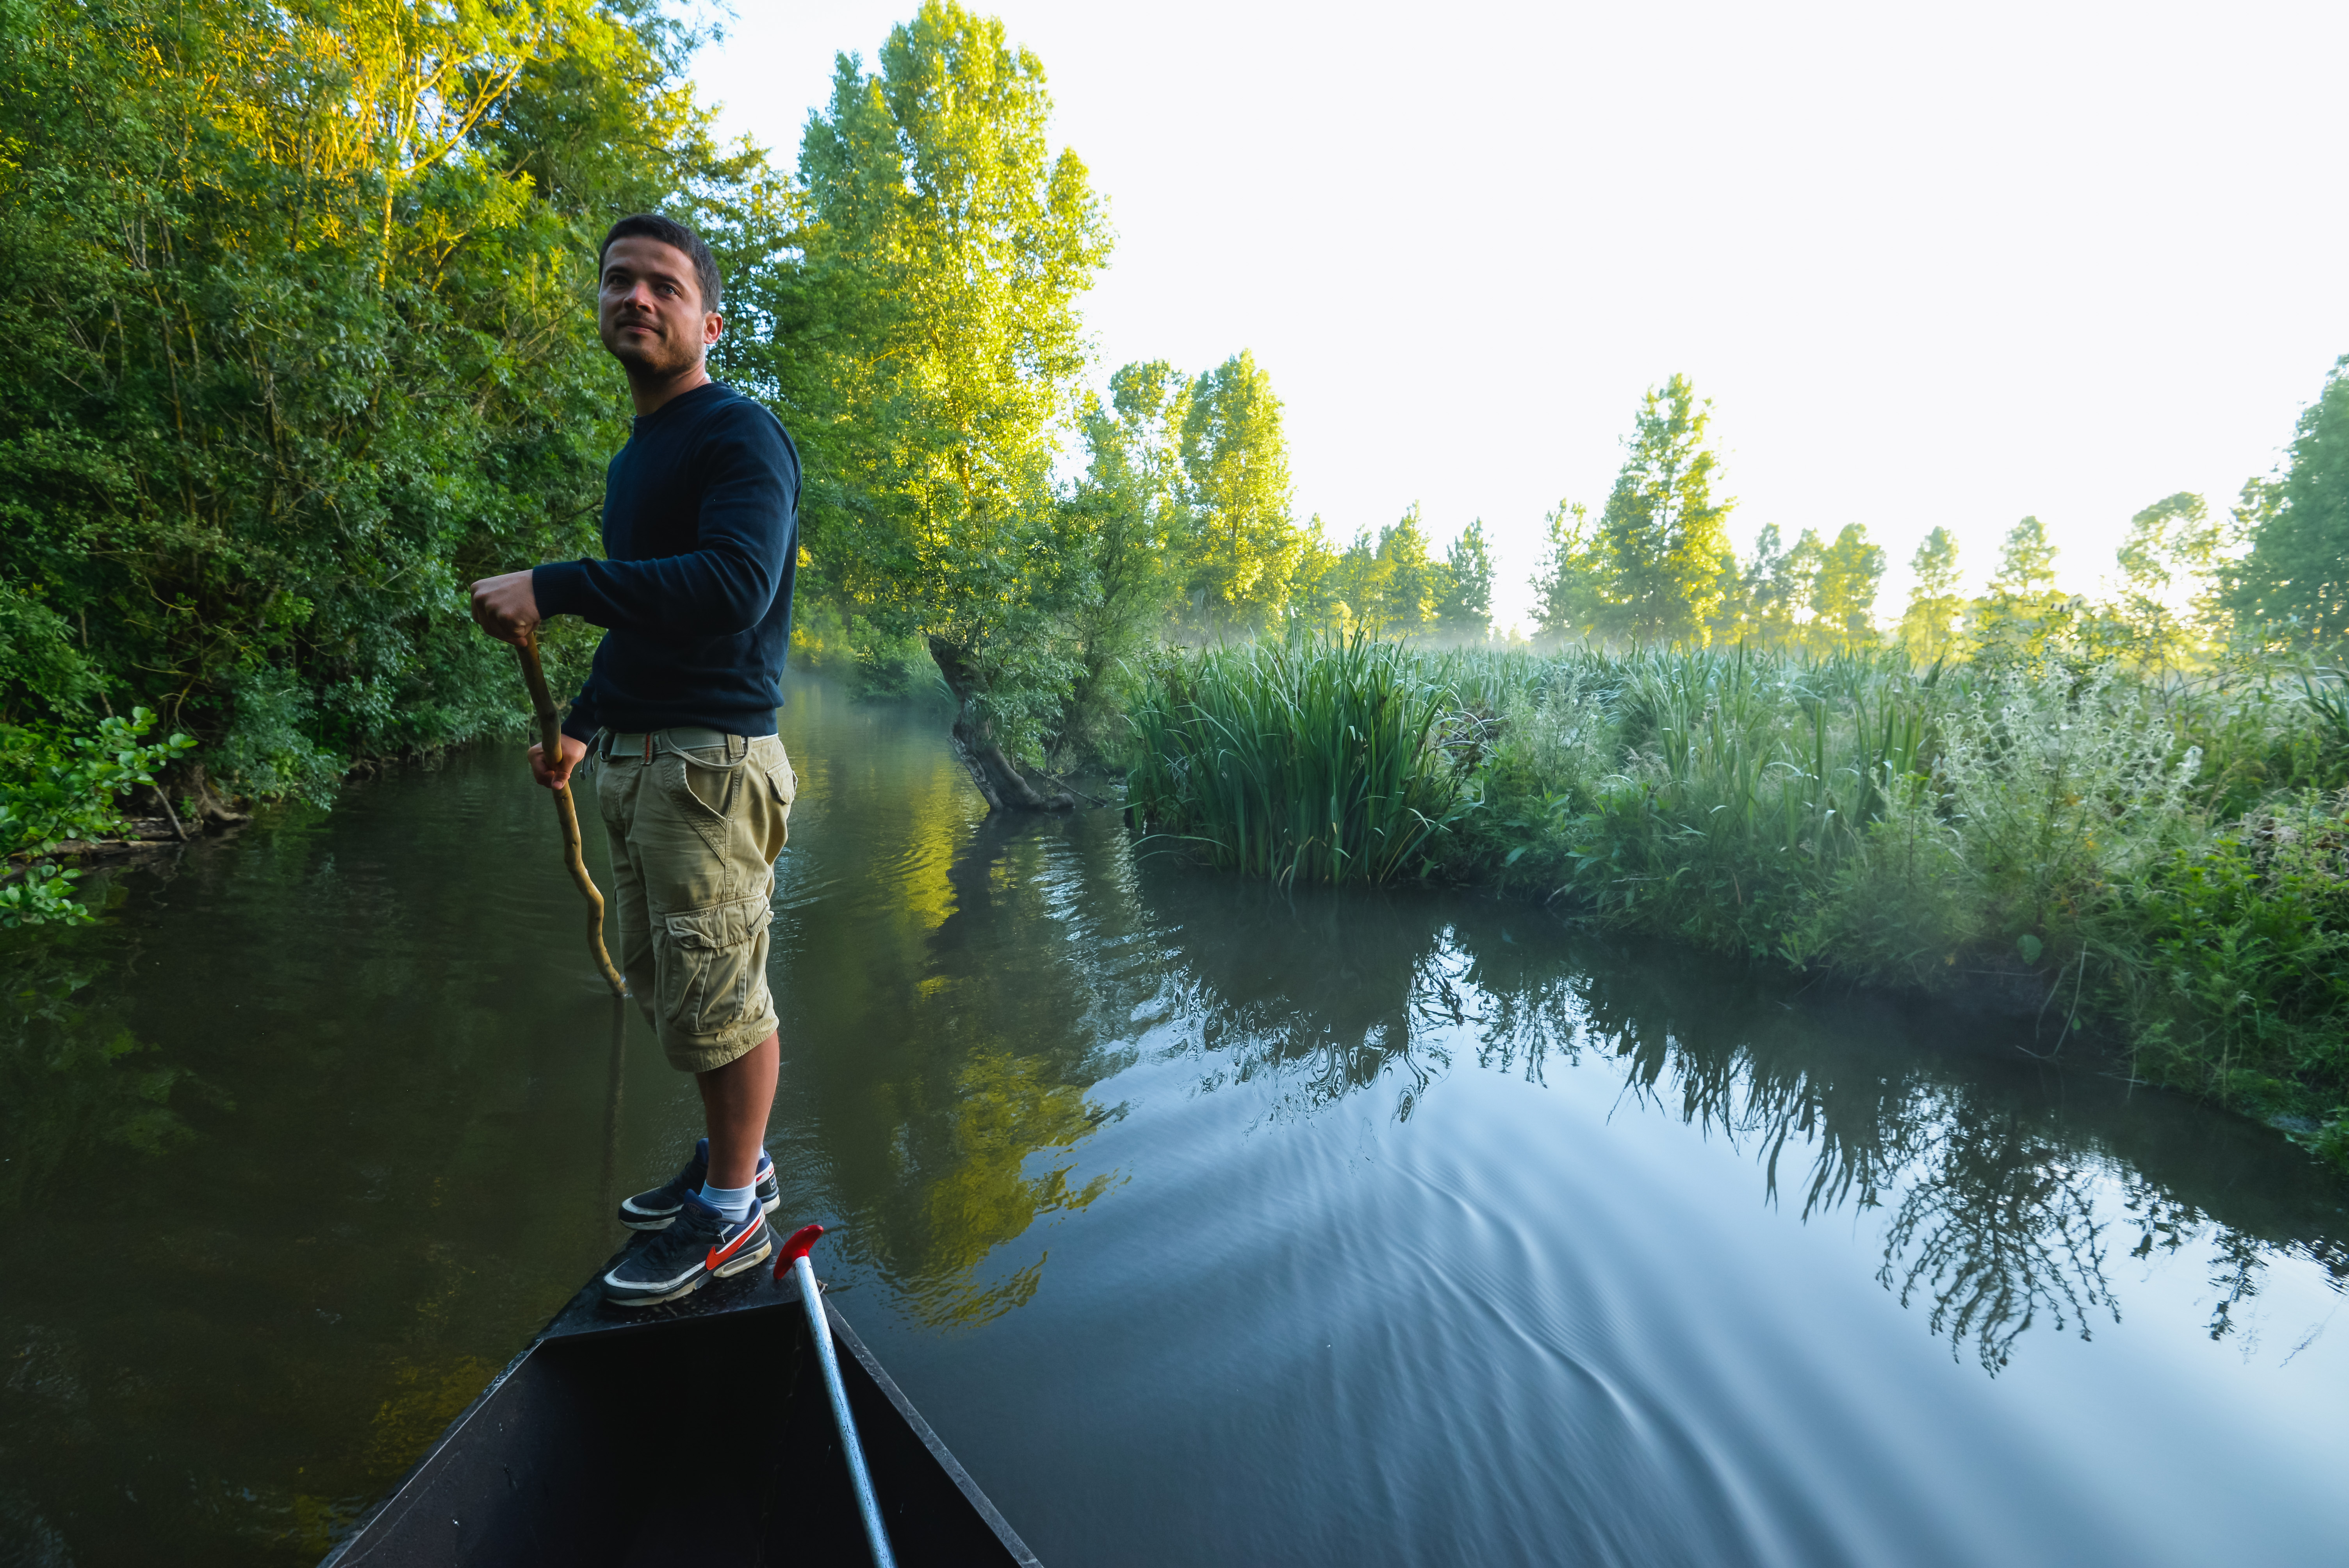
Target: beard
660,352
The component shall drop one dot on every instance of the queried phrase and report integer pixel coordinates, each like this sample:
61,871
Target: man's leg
735,1101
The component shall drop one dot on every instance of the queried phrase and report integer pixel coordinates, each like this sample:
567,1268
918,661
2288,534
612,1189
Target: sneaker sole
662,1222
734,1266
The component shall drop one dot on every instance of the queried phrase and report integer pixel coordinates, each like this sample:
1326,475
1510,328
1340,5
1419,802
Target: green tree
1464,607
2294,582
2022,613
1123,538
1412,579
1236,461
2026,563
1357,583
2169,605
1761,596
1662,534
1789,616
945,248
1569,601
1844,588
1928,629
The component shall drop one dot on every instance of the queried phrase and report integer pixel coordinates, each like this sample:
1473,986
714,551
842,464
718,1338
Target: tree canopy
2294,582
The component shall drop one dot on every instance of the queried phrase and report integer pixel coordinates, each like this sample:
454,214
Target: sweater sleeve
726,584
581,722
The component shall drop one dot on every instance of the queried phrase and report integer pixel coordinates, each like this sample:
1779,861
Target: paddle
795,1257
550,730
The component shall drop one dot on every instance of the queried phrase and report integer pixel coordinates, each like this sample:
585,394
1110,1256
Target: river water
1206,1224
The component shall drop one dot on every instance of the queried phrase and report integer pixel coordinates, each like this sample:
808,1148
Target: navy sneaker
653,1211
699,1245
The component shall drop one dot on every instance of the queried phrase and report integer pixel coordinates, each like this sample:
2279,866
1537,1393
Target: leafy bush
2236,986
56,787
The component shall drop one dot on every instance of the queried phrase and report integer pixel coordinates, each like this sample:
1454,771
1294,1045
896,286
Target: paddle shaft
810,1298
566,815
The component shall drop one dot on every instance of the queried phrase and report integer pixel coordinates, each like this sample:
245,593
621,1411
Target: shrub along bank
2166,860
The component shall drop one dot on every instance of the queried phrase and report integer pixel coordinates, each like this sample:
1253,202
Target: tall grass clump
1749,791
1324,761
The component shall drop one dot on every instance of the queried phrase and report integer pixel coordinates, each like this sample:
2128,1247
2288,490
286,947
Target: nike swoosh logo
720,1254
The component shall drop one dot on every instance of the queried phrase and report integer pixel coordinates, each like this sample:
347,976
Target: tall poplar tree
1236,461
1569,597
1929,629
2022,611
1463,606
1662,534
1844,588
946,247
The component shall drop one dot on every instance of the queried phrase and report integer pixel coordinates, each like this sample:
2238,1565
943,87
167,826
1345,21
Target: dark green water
1206,1225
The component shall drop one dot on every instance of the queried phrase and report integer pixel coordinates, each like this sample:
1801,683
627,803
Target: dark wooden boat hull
698,1433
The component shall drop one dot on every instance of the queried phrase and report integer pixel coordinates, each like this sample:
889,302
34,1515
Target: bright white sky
1934,265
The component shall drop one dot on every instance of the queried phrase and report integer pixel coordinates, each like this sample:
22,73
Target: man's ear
713,327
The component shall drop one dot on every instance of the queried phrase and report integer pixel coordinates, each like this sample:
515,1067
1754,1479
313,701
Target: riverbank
2162,860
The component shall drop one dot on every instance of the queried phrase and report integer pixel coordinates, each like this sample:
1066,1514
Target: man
700,536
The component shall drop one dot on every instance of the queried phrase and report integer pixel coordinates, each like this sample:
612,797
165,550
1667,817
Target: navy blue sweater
700,536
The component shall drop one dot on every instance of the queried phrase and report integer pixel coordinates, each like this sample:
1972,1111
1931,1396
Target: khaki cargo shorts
695,833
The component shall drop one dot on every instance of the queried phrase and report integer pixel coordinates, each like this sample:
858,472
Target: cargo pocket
782,786
714,966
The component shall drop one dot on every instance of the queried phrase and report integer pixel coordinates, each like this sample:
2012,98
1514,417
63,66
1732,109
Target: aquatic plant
1321,761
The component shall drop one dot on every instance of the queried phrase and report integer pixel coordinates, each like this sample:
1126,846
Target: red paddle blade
796,1248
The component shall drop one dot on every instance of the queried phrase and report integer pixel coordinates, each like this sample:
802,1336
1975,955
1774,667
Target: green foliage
2236,986
1235,465
1123,539
1651,568
1929,629
1464,602
56,787
1321,761
1844,588
303,343
945,249
2294,582
2169,596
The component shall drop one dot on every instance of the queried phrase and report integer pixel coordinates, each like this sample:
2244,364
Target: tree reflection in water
75,1078
958,1127
1026,964
2002,1200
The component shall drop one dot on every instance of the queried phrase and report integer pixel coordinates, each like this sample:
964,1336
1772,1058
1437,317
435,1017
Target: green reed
1325,761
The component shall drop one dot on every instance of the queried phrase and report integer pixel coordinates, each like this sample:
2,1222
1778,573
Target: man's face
648,309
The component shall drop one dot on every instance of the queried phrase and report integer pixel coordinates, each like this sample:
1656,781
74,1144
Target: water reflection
76,1081
2003,1200
367,1106
953,1125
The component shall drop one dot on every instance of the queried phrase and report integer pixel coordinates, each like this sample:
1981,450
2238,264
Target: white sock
734,1203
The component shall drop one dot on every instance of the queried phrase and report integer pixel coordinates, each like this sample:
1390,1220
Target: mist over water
1205,1222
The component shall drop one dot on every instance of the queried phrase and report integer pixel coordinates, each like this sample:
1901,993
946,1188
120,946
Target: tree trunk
1003,786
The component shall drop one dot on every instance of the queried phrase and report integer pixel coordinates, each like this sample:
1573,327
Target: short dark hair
670,232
